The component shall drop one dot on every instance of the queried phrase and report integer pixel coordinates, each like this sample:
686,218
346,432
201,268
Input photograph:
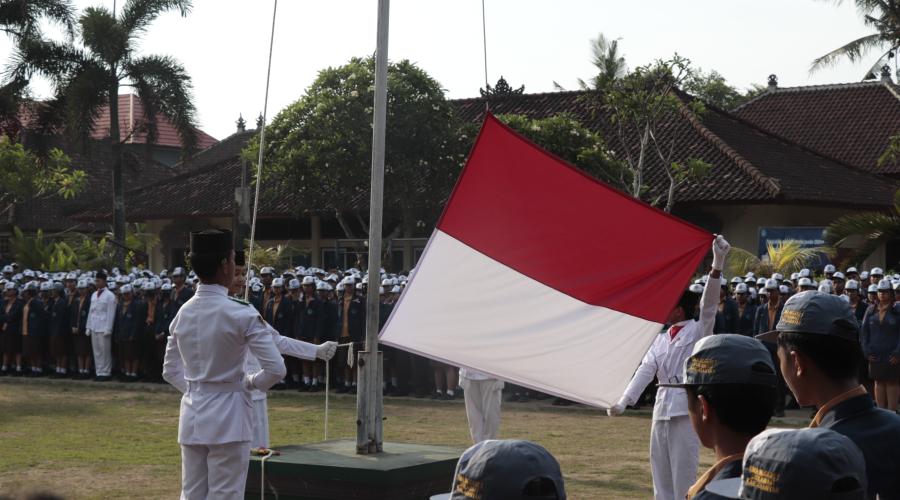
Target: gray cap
801,464
727,358
503,469
816,312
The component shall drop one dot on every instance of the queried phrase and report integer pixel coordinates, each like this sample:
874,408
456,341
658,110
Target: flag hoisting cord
262,147
487,86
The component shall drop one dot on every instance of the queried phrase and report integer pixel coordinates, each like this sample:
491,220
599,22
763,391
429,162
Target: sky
224,44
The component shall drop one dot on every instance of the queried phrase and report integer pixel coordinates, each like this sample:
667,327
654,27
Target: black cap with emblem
240,258
211,242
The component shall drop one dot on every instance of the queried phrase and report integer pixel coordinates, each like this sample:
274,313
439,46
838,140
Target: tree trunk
115,149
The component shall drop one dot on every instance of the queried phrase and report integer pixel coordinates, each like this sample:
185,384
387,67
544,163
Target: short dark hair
206,265
744,408
688,302
838,358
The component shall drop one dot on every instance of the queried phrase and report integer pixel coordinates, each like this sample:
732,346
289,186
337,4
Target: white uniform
674,446
286,346
483,396
101,316
205,358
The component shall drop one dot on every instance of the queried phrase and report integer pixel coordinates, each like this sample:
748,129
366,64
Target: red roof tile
849,122
130,111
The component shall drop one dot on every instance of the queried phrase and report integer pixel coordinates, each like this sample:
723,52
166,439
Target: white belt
217,386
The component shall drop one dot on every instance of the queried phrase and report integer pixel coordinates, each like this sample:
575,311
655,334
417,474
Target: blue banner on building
808,237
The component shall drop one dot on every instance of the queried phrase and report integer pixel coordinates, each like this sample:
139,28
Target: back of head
508,470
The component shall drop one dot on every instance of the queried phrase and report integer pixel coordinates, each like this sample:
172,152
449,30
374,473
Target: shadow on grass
609,485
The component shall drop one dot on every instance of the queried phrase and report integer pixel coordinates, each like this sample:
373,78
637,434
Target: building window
4,245
283,229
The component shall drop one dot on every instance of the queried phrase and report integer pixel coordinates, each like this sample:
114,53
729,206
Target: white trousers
483,399
674,457
214,471
102,345
260,415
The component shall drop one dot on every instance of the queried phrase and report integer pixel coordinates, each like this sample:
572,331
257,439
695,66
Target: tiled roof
130,111
50,213
750,164
225,149
849,122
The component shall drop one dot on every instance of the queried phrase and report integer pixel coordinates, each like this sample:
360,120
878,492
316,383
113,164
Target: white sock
82,371
449,393
314,381
3,368
354,384
296,378
347,384
59,370
383,386
18,368
321,379
439,391
394,381
62,370
306,380
34,369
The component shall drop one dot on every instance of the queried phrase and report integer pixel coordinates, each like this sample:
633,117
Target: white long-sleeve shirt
286,346
102,312
205,359
666,356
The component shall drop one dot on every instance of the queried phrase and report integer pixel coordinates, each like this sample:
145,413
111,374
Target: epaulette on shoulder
239,301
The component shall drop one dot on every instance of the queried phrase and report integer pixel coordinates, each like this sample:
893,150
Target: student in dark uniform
880,340
34,330
729,309
310,328
389,383
149,350
181,293
746,310
127,334
351,328
59,330
728,405
164,316
280,314
11,333
768,315
820,354
81,343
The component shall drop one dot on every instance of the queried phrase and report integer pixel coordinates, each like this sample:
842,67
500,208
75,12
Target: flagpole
368,403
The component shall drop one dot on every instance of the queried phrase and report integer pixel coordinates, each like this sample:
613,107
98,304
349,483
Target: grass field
87,442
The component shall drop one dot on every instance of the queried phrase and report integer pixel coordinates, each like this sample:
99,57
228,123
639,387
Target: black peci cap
211,242
240,258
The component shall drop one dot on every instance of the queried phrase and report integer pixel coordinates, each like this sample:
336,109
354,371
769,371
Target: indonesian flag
540,275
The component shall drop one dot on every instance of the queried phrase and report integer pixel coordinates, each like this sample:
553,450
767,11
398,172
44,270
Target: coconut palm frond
865,223
854,51
741,261
869,245
790,257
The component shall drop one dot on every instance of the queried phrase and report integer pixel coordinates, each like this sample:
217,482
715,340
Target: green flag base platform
332,470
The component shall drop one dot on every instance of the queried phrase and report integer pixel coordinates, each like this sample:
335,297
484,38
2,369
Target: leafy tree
25,176
277,257
712,89
86,74
321,144
568,139
610,64
639,105
875,229
22,18
883,18
786,257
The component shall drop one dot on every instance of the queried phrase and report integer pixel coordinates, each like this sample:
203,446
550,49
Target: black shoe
524,398
294,385
312,388
57,376
421,394
778,413
792,405
512,398
279,387
632,407
15,373
399,394
4,373
352,390
104,378
131,380
446,397
389,388
343,390
83,376
303,388
565,402
541,396
161,381
437,395
557,402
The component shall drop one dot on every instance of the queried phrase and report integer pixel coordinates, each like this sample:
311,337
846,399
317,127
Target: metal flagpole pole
368,403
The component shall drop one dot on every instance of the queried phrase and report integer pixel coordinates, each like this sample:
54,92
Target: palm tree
86,77
609,62
785,257
21,18
883,16
875,228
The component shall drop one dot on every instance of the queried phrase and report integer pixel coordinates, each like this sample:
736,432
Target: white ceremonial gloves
326,351
619,408
88,332
107,333
720,249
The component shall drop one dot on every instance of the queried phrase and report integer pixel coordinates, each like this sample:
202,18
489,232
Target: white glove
326,351
107,333
88,332
620,407
720,249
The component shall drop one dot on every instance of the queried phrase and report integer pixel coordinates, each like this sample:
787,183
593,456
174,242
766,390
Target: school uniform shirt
329,320
11,317
860,312
34,318
761,324
180,297
206,357
102,313
876,432
165,313
732,314
666,356
147,313
127,325
78,313
310,319
719,324
384,312
280,314
727,468
746,319
58,321
256,302
881,338
352,322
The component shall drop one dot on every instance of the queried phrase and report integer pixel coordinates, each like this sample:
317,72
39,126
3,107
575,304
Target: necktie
99,292
674,331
